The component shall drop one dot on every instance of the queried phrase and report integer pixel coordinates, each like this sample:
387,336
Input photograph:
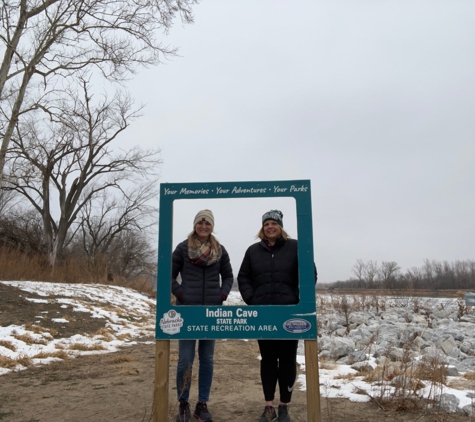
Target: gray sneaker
283,411
269,415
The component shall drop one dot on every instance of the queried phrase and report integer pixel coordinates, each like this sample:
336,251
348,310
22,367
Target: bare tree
371,273
22,230
131,256
414,277
359,270
388,273
8,200
44,41
68,157
429,271
114,231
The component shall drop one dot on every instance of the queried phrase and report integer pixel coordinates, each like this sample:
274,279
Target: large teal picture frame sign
237,322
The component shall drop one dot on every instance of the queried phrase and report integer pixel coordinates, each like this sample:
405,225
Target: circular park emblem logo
297,326
171,322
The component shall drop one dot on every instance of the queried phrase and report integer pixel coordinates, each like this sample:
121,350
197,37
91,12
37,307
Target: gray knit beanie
206,215
275,215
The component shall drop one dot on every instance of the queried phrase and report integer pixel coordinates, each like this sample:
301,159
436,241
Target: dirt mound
16,310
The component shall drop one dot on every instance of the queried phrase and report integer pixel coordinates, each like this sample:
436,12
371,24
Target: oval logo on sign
297,325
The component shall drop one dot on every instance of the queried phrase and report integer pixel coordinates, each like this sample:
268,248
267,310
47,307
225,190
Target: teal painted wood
237,322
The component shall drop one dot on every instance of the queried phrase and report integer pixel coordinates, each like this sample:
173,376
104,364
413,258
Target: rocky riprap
389,339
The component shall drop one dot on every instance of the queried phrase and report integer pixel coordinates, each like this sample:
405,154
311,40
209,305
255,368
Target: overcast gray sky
373,101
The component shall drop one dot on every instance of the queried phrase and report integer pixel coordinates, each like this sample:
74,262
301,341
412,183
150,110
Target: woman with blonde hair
206,279
269,276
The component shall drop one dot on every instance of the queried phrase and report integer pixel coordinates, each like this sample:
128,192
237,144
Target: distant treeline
433,275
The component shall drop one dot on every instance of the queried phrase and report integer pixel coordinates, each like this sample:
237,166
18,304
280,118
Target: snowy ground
135,320
139,323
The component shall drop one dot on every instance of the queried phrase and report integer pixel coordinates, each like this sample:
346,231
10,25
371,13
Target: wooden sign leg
313,381
162,370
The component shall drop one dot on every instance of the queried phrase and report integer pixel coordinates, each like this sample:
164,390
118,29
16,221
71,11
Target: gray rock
434,353
341,332
456,334
452,371
390,316
443,322
419,344
358,318
449,403
446,343
469,409
403,329
468,347
455,353
357,356
468,318
419,320
338,347
446,313
362,367
469,363
396,354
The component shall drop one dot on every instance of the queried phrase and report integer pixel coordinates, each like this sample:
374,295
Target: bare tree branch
63,153
45,41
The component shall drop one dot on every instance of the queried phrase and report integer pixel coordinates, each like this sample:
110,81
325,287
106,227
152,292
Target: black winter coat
270,276
200,285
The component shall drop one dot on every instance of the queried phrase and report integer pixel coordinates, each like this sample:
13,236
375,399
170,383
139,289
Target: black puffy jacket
200,285
270,276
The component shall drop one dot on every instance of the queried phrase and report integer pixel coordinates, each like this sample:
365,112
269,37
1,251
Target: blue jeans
186,356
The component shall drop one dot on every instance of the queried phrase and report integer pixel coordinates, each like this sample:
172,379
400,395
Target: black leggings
279,363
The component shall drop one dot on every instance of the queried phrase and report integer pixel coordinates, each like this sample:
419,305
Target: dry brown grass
9,363
6,362
7,344
61,354
86,347
120,359
396,384
469,376
432,370
104,334
16,265
125,336
460,383
111,308
28,339
143,286
37,329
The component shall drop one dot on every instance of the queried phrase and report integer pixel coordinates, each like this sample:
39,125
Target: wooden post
313,381
162,369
